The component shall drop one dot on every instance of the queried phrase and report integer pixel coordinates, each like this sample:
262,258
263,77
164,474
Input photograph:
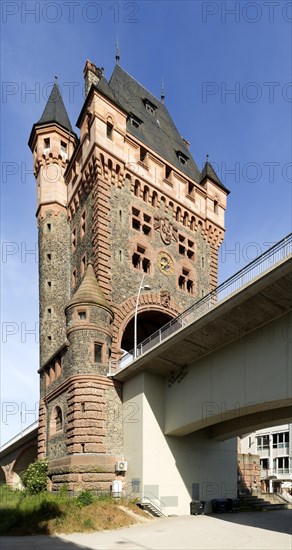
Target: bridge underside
223,375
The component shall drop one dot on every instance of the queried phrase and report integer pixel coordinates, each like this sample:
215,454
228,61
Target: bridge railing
278,252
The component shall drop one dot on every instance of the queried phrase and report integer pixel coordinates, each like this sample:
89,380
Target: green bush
85,498
34,478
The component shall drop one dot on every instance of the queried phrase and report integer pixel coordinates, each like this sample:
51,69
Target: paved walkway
246,530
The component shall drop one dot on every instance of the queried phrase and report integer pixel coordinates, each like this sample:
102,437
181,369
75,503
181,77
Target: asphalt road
246,530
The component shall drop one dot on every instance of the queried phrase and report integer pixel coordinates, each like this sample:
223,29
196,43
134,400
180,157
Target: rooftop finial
207,157
162,91
117,51
56,79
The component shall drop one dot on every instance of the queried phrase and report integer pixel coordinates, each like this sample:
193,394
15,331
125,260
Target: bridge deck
252,306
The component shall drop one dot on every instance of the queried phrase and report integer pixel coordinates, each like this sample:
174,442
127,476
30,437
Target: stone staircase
269,502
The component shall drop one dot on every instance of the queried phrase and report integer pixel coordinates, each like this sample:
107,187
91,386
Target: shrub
85,498
34,478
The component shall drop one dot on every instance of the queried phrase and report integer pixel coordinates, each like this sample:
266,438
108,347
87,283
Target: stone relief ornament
165,298
167,230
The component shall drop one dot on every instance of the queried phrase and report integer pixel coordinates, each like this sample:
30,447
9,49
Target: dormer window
150,107
135,121
182,157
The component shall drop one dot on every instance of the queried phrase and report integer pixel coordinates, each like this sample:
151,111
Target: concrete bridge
225,371
17,454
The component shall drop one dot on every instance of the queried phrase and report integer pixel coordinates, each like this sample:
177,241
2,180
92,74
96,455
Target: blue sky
227,73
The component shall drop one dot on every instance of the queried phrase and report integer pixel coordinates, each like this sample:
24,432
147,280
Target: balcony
280,473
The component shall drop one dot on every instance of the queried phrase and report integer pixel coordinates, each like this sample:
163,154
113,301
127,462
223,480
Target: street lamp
141,287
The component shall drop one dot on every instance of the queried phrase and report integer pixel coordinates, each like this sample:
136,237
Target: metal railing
278,252
267,472
154,503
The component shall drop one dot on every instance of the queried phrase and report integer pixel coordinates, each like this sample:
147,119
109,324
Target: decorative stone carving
165,298
167,230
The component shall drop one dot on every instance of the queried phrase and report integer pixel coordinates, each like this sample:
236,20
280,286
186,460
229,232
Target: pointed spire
117,51
162,92
89,291
209,172
55,110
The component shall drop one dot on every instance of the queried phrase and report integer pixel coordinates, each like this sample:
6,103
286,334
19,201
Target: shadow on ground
276,520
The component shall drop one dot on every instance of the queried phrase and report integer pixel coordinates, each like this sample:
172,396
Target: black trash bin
219,505
197,507
233,504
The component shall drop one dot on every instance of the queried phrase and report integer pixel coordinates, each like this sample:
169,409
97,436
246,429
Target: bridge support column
172,470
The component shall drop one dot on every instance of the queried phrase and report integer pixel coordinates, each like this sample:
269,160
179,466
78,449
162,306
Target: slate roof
157,131
209,172
89,291
55,111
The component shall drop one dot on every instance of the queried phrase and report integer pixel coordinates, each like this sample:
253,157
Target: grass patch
46,513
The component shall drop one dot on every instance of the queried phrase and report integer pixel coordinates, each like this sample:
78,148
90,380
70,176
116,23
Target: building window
58,419
137,188
97,353
83,264
186,247
141,221
216,207
109,130
191,189
182,157
282,465
82,315
178,214
74,277
146,193
168,172
46,144
185,219
143,155
73,240
262,442
63,147
49,227
140,260
185,282
150,107
135,121
83,223
154,200
281,440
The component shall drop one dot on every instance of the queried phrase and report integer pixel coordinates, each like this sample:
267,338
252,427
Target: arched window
178,214
56,424
59,419
146,193
186,219
154,200
193,223
137,188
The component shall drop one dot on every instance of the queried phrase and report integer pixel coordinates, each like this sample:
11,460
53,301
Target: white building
274,447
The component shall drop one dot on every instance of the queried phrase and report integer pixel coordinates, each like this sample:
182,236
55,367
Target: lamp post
141,287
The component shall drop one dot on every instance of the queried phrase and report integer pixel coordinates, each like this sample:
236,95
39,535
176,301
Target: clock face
165,263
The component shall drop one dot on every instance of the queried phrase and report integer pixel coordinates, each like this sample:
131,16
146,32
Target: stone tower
124,203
